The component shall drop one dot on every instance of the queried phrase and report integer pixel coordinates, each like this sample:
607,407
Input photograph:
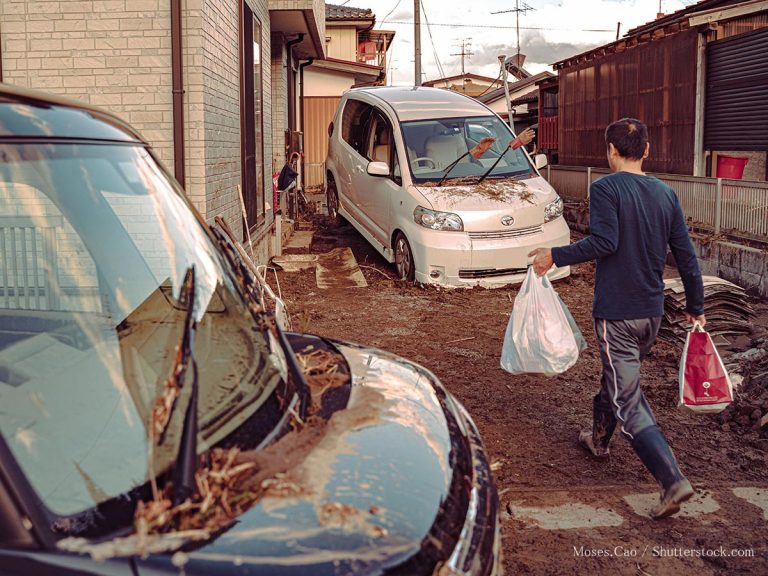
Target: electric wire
453,25
432,41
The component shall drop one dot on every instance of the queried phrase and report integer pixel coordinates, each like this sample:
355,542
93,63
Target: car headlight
437,220
553,210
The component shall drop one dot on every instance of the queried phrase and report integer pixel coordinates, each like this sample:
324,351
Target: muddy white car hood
482,205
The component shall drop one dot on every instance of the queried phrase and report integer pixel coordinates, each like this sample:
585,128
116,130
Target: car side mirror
378,169
540,160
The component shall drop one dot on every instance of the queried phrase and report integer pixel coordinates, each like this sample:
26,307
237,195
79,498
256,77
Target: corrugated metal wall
654,81
318,113
737,93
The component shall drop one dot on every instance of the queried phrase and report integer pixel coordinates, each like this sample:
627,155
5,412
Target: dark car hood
367,497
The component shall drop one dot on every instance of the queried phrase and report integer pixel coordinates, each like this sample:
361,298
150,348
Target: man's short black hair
629,136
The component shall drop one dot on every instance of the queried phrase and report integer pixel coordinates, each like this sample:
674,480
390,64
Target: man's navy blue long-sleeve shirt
632,220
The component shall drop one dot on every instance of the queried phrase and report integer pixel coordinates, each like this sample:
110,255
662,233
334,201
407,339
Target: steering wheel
416,162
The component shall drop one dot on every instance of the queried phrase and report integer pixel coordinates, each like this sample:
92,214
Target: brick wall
111,53
117,54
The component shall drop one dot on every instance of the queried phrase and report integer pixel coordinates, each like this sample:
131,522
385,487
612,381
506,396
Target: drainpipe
301,124
1,54
177,72
291,87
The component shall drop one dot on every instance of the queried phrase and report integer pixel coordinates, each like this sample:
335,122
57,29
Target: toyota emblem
507,221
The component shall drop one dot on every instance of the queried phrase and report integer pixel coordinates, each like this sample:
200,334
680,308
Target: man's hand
700,319
542,260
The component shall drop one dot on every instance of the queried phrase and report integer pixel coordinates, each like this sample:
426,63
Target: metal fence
736,208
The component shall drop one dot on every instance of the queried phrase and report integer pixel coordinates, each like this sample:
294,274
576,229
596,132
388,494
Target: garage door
736,112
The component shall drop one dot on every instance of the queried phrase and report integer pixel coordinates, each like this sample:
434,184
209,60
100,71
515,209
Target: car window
354,124
436,146
94,246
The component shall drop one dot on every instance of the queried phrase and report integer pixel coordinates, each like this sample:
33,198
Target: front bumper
461,259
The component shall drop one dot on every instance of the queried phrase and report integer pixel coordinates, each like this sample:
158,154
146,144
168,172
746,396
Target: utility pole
466,45
517,9
417,41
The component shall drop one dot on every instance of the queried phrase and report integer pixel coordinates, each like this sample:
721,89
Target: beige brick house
211,84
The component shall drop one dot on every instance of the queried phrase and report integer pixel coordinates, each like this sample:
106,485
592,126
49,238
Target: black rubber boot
655,453
603,424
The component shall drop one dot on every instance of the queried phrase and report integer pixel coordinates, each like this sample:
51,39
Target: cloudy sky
550,31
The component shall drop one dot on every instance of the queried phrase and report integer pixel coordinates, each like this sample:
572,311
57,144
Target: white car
399,170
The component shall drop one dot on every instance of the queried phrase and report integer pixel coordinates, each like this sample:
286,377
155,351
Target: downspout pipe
291,87
177,73
1,52
301,105
291,43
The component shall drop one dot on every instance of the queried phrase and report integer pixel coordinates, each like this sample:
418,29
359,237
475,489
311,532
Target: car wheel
332,198
404,258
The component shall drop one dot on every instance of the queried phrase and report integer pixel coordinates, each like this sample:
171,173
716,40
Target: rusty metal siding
318,113
653,81
737,93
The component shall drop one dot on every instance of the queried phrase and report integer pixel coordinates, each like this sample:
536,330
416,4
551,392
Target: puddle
565,516
756,496
701,503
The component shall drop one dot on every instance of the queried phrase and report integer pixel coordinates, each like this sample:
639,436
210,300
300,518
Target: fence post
589,179
718,204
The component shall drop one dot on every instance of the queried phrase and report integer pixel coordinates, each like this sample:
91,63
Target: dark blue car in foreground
154,416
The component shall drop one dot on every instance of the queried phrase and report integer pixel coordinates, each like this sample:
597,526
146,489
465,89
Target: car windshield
434,145
95,243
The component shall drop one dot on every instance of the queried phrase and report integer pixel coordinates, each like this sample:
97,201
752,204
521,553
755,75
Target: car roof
30,114
422,103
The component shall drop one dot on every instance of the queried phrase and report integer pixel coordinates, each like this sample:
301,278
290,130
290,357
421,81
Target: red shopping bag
704,383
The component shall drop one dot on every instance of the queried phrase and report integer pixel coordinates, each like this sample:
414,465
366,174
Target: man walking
633,217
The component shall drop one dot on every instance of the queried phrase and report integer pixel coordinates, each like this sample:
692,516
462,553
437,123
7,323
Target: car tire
406,270
332,199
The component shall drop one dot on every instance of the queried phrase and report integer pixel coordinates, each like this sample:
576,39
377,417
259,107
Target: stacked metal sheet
726,308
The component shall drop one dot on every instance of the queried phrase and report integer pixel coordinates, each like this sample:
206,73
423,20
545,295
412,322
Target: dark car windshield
94,246
433,145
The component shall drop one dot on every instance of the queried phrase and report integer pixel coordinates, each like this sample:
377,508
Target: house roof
669,24
499,92
528,97
336,12
469,75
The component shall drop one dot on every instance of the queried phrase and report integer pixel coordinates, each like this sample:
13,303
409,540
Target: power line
486,26
432,41
388,13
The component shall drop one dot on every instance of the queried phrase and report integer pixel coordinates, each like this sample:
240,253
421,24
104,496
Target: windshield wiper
239,261
476,151
186,459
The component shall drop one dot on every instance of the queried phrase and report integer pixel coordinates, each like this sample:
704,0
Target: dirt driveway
565,513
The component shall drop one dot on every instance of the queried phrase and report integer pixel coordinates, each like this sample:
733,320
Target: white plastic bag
539,338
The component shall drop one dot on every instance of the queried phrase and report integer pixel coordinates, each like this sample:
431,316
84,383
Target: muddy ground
564,512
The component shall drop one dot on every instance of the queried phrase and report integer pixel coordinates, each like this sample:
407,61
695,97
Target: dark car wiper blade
186,460
476,151
226,242
165,406
451,166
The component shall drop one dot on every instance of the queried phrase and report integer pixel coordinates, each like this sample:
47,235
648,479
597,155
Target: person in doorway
633,217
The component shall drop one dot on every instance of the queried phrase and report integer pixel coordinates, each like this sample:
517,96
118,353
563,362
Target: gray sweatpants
623,345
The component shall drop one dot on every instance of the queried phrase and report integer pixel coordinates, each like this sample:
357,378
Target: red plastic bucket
731,166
